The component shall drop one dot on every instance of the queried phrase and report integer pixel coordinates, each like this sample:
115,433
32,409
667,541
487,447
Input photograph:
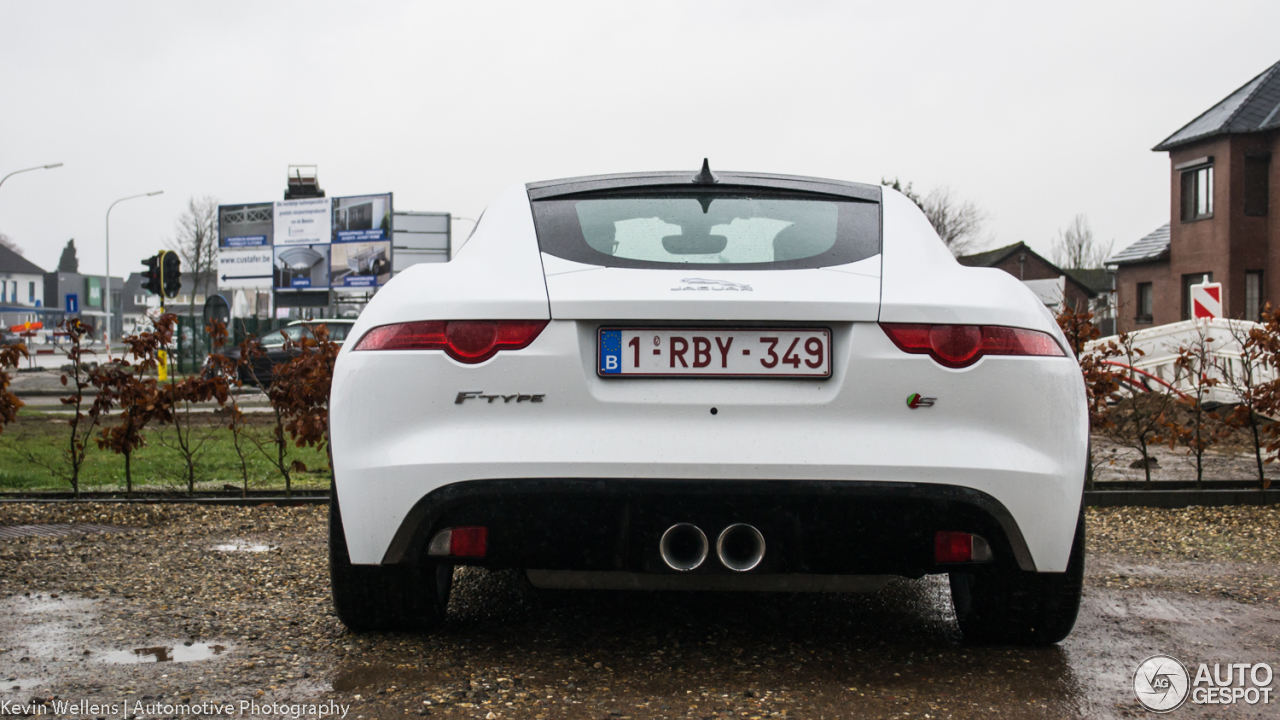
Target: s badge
915,400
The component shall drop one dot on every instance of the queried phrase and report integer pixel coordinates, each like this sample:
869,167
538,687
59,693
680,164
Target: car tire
1015,607
370,598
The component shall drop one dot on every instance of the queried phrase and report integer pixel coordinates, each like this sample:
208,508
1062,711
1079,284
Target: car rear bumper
614,525
1013,429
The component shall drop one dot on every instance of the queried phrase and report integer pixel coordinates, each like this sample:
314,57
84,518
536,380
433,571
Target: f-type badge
479,395
915,400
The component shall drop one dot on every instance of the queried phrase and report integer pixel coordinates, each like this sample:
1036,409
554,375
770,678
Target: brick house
1048,281
1222,185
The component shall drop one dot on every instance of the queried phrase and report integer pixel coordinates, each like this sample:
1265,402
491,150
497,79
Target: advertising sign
360,264
361,253
93,291
301,266
244,267
302,222
365,218
243,226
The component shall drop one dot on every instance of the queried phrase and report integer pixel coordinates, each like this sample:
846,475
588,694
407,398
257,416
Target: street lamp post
38,167
106,333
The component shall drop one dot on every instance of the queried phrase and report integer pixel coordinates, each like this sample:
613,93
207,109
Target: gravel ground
1197,583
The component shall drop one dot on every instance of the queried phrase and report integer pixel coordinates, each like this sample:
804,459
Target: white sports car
732,381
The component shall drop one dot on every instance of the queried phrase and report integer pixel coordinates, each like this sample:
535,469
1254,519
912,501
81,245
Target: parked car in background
259,370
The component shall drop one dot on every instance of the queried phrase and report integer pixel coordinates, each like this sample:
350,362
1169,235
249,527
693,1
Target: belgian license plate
715,352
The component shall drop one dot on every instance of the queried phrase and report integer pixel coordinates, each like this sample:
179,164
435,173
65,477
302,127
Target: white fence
1160,345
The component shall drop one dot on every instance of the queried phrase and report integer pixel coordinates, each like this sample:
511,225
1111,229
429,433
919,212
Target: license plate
715,352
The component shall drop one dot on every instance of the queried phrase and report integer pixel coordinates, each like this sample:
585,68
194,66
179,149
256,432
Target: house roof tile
1153,246
12,262
1253,107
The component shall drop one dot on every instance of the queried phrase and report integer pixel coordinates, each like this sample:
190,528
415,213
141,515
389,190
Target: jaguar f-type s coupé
709,381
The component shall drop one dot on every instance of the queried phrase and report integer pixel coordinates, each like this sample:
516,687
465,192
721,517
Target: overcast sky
1035,111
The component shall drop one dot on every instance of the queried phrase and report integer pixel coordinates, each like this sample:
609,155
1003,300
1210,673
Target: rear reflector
958,547
460,542
957,346
467,341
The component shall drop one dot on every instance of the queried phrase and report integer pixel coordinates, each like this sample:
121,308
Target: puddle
242,546
165,653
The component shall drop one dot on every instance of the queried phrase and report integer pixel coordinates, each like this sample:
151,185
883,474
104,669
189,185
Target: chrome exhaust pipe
740,547
683,547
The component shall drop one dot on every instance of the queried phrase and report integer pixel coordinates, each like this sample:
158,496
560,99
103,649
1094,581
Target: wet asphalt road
257,611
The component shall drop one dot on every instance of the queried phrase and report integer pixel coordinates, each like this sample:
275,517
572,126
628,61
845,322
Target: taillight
954,547
460,542
957,346
467,341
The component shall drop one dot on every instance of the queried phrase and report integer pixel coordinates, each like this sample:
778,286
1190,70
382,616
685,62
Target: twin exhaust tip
684,547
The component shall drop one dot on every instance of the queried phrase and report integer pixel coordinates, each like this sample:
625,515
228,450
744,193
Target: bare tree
196,239
8,242
1076,247
958,222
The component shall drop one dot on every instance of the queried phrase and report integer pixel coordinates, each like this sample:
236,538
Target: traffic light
151,278
170,273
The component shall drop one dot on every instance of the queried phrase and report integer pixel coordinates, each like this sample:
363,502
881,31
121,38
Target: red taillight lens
460,542
469,542
467,341
957,346
952,547
955,547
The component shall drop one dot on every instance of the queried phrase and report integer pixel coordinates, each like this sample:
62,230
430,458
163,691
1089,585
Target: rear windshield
692,229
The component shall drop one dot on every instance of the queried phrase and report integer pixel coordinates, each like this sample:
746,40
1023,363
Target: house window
1187,282
1144,302
1253,295
1197,193
139,299
1257,183
31,292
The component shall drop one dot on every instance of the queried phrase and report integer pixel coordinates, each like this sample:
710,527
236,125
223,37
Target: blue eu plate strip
611,352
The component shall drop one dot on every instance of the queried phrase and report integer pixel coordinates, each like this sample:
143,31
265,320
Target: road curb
1180,498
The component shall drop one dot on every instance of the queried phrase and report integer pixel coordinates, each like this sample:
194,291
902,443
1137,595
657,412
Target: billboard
364,218
361,251
245,226
302,222
309,243
360,264
299,267
244,267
